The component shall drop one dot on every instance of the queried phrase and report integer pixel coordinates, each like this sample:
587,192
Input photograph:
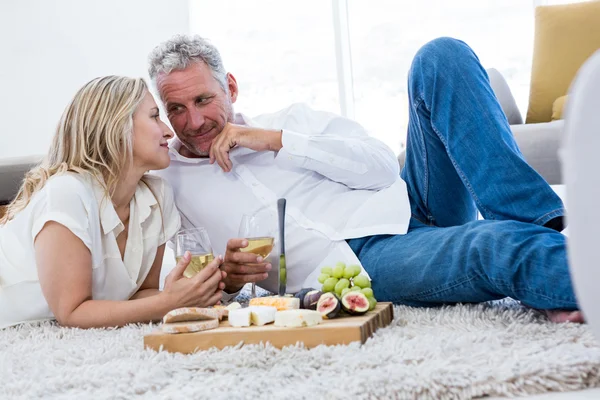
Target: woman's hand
202,290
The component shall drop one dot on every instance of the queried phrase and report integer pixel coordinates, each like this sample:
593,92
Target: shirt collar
143,199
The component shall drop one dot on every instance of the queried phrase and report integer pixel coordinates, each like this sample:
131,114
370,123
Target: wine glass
260,229
195,241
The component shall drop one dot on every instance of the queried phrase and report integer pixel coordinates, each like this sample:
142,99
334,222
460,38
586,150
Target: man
417,237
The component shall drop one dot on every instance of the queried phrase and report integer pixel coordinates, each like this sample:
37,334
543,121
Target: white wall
50,48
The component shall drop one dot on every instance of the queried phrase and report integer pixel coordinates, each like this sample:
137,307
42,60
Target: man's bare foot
560,316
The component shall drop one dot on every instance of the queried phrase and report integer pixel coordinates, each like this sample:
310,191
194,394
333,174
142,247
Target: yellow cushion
558,106
565,36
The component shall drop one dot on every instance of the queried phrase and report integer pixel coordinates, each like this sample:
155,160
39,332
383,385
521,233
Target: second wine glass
260,229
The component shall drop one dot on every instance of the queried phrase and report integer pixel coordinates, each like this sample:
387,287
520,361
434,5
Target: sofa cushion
565,36
558,107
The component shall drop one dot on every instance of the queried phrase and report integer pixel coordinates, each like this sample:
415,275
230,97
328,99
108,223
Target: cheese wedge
255,315
240,317
297,318
262,315
188,327
280,303
192,314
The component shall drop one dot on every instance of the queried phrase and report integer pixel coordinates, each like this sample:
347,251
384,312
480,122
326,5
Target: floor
590,394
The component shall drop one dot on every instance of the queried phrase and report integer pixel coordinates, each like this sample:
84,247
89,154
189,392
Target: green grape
355,289
341,285
329,284
348,272
338,271
367,292
340,264
344,291
356,269
322,278
372,303
327,271
362,281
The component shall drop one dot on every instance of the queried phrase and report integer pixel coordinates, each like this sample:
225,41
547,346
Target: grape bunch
343,279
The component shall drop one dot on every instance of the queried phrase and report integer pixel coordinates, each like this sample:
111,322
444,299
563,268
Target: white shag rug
460,352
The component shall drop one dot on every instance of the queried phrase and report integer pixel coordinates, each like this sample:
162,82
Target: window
352,56
281,52
386,34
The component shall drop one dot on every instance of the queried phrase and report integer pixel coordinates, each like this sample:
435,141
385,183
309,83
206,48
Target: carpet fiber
460,352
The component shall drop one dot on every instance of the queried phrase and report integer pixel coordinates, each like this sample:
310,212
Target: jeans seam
463,176
417,103
548,216
537,293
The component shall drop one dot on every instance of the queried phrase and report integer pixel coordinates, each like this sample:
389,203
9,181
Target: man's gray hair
181,51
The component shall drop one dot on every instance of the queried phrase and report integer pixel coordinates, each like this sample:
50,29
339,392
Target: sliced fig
355,303
329,305
300,295
311,299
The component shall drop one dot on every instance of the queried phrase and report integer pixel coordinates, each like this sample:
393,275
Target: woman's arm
65,273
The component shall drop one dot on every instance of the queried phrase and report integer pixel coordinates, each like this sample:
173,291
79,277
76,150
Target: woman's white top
79,203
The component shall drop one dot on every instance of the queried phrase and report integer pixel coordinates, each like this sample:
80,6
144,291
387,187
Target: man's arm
359,162
331,145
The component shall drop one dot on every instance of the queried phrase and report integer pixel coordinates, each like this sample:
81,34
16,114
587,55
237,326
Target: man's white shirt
339,183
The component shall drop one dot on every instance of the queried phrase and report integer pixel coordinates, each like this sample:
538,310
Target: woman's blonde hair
94,136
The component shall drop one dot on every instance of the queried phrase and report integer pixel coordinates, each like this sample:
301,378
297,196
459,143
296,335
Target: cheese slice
188,327
262,315
192,314
280,303
297,318
240,317
255,315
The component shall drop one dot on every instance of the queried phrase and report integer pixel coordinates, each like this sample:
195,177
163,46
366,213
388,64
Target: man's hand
242,136
242,268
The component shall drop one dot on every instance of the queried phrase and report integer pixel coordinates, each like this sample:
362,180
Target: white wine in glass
260,230
196,264
197,243
261,246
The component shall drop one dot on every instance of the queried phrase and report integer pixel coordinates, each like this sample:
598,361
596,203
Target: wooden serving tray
342,330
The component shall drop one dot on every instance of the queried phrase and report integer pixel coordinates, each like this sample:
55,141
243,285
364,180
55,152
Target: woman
83,241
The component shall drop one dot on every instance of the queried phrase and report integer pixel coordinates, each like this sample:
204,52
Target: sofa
566,35
12,171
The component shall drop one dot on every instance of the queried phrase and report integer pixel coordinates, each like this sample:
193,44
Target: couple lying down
83,241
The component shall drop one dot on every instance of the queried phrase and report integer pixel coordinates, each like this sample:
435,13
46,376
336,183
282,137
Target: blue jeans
461,157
